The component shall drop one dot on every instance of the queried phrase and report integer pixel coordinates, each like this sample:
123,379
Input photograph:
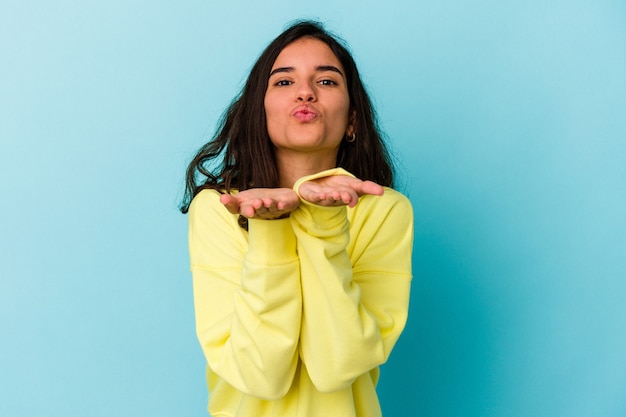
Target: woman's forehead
307,52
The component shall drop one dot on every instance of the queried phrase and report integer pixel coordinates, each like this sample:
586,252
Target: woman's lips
304,114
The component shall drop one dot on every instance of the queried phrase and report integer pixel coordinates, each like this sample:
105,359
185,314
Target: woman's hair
241,155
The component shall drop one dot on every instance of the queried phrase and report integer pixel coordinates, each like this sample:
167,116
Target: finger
315,196
349,198
227,199
249,211
267,202
273,209
369,187
230,202
338,195
289,204
257,203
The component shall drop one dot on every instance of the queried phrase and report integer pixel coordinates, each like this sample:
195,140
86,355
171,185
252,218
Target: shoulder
205,199
206,208
392,210
390,200
396,197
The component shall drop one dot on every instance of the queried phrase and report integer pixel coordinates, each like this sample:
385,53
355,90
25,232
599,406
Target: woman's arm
355,274
247,297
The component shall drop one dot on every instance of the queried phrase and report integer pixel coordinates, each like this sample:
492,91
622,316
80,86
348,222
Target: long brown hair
241,155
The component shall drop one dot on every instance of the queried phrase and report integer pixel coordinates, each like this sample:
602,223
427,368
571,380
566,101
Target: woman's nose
306,92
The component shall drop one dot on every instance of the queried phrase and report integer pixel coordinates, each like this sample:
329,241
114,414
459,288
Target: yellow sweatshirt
295,315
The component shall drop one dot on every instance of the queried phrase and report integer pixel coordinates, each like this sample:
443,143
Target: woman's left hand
337,190
261,203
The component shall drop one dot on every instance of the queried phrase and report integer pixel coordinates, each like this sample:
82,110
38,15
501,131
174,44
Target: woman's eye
327,82
283,83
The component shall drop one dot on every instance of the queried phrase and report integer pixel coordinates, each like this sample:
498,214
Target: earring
351,138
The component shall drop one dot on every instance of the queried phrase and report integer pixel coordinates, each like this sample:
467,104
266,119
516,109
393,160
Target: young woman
300,249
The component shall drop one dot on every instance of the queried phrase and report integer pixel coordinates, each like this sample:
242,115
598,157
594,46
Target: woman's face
306,103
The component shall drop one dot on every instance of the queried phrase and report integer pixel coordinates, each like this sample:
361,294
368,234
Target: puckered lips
304,113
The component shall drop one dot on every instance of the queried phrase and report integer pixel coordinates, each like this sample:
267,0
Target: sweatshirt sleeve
355,277
247,297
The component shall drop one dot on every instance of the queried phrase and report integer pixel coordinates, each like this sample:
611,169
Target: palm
262,203
338,190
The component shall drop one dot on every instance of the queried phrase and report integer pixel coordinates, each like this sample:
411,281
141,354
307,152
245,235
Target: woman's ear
350,130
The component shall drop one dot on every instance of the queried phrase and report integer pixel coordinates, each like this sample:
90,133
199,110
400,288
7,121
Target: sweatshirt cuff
319,220
271,241
328,173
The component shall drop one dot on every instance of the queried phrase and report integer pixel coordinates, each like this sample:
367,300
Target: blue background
509,119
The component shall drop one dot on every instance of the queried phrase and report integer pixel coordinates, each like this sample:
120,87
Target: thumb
369,187
230,202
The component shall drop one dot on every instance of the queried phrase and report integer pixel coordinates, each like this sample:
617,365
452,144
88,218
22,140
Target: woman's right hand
338,190
261,203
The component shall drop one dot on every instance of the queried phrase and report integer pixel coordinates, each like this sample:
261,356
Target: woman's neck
292,166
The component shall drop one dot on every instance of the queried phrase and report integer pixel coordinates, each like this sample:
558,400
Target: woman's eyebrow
281,69
319,68
323,68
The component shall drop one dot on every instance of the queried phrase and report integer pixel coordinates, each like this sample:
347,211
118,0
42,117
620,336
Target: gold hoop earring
351,138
